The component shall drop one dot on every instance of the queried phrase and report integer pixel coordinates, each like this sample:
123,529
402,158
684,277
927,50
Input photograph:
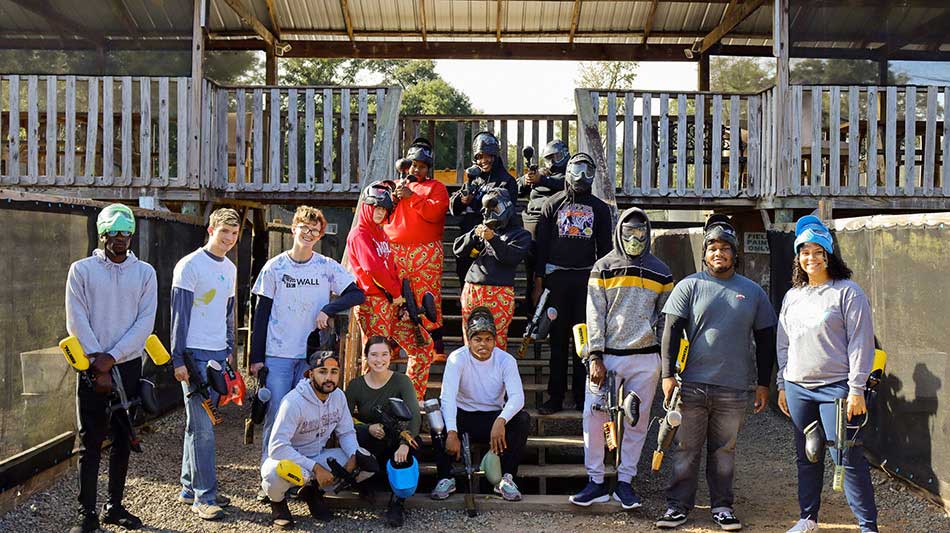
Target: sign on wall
756,242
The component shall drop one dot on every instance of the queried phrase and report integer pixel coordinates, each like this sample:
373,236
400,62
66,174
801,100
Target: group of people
605,278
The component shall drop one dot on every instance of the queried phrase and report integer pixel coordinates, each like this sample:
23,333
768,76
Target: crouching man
305,420
476,380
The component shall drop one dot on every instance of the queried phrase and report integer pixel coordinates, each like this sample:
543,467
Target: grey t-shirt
825,335
722,315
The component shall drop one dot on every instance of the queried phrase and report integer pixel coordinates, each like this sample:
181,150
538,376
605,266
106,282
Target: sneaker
868,529
727,521
443,489
508,490
805,525
625,494
280,516
85,523
592,493
120,516
262,496
316,503
671,519
395,514
207,511
551,406
221,500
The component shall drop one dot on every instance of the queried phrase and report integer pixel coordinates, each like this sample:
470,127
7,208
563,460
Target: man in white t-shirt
293,299
202,317
476,380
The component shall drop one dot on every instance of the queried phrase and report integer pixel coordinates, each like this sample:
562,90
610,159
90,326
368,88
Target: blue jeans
806,406
711,415
198,475
283,375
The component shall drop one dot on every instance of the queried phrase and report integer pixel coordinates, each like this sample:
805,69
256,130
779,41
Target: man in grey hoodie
307,417
625,296
111,298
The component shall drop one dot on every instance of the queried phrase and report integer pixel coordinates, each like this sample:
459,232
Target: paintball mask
379,194
497,209
403,478
421,150
554,156
633,236
719,228
480,320
485,143
580,174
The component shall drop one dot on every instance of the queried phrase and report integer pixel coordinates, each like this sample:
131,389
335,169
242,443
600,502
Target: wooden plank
310,138
220,178
795,166
257,140
362,149
872,142
549,130
910,140
854,149
163,133
519,140
930,141
382,156
108,133
628,151
346,127
681,163
766,154
459,152
566,131
611,169
735,144
890,146
32,132
292,118
13,153
646,144
145,132
273,176
816,119
834,140
69,136
127,148
604,187
663,169
52,141
535,134
206,155
92,131
327,174
240,141
181,121
502,140
698,156
754,165
716,145
3,178
945,153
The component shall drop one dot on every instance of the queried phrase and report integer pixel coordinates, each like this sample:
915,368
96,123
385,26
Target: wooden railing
94,131
269,138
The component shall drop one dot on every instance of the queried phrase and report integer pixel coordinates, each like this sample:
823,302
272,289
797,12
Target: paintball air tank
669,424
436,422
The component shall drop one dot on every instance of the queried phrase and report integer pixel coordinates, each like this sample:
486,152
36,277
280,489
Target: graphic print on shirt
575,220
322,426
291,282
805,318
382,248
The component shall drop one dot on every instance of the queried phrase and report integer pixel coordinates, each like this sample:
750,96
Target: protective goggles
633,231
118,233
479,323
580,170
419,153
494,206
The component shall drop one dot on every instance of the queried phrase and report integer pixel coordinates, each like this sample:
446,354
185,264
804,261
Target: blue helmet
811,229
403,480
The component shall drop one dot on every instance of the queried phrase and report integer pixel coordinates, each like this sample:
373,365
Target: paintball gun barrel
669,424
528,153
417,312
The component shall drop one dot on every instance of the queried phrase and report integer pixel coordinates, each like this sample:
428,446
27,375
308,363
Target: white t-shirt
212,283
474,385
299,291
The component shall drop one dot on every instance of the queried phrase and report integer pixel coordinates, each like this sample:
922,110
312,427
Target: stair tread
530,503
539,471
440,359
550,441
528,387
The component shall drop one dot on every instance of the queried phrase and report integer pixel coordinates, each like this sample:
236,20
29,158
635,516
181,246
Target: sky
545,87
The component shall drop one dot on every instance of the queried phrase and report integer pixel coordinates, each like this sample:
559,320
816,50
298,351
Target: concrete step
538,471
531,503
528,387
536,442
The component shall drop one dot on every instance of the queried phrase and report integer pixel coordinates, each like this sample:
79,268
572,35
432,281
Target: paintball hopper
402,166
403,479
631,408
528,152
234,386
156,350
291,472
261,399
366,466
580,340
491,467
214,373
473,172
814,442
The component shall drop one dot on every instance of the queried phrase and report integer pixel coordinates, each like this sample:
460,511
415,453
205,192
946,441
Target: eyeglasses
308,230
118,233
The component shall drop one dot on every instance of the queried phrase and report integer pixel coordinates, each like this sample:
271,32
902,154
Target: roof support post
783,118
702,73
199,23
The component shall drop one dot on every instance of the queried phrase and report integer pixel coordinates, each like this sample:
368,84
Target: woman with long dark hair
825,352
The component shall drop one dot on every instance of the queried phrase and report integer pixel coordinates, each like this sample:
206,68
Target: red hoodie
368,256
420,219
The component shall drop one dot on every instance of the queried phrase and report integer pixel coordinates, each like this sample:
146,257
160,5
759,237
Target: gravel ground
765,488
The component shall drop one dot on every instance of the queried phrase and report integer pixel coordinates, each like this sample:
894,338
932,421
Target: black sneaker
395,514
550,407
120,516
671,519
280,516
727,521
85,523
315,502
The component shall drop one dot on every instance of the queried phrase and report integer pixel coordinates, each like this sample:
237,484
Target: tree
613,75
312,71
740,74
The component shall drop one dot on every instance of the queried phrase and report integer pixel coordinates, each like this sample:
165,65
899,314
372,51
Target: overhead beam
734,16
935,27
648,26
498,22
291,35
65,25
422,18
575,18
250,20
345,7
272,14
122,12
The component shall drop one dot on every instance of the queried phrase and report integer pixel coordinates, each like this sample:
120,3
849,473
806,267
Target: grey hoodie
110,307
304,424
625,296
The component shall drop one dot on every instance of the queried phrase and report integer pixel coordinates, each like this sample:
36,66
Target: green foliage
311,71
614,75
740,74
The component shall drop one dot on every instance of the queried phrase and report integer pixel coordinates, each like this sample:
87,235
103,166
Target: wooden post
783,108
197,75
702,73
587,129
882,67
270,66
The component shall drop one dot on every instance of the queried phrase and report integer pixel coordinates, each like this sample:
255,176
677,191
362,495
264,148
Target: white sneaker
805,525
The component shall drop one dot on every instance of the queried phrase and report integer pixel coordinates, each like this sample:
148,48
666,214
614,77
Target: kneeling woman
368,396
825,352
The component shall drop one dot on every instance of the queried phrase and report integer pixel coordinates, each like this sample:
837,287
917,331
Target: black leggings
478,426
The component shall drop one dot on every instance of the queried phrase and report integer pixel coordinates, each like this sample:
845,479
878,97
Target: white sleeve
266,285
340,278
513,389
451,377
185,276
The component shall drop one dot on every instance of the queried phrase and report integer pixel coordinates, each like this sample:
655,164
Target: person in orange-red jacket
415,234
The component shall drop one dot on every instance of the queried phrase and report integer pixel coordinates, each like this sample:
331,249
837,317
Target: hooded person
111,301
574,231
415,232
308,416
486,173
497,247
625,296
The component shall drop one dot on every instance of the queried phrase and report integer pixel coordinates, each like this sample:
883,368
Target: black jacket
573,234
498,178
537,194
497,259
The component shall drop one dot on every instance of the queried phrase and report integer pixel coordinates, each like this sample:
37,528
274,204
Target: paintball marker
402,168
469,470
669,424
528,153
203,384
416,312
258,405
234,385
540,324
343,479
473,184
395,416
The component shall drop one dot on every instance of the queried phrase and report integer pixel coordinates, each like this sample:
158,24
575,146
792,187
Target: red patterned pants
422,264
376,316
501,301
